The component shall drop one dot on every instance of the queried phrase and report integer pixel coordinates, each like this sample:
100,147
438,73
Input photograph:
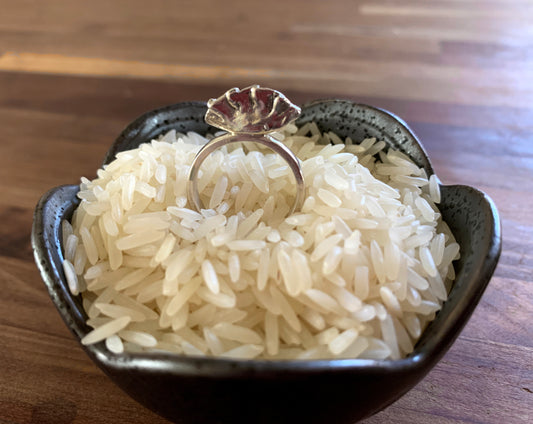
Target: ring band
264,139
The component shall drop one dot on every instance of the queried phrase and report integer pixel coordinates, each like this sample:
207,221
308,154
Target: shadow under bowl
210,390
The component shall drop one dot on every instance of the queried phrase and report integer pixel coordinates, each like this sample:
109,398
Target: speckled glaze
208,390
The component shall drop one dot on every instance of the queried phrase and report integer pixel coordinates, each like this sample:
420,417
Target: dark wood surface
72,75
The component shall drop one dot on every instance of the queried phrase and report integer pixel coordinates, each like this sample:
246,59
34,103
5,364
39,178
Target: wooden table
72,75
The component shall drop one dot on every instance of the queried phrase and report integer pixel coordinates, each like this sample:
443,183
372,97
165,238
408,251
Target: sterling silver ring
249,116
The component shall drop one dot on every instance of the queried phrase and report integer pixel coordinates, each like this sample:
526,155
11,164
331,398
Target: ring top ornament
252,110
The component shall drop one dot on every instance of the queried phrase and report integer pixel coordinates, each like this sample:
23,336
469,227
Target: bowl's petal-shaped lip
478,280
211,366
139,123
182,365
356,104
389,116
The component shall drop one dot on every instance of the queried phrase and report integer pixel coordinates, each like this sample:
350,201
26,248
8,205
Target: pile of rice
357,273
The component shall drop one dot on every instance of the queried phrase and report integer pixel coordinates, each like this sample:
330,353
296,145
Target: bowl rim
53,277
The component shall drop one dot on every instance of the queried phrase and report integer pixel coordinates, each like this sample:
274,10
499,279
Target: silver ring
250,114
264,139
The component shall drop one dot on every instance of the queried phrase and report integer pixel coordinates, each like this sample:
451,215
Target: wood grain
73,74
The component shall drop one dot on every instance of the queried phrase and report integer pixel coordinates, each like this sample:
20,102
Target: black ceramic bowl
209,390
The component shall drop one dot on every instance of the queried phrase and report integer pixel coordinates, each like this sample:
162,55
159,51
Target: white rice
357,273
71,277
114,344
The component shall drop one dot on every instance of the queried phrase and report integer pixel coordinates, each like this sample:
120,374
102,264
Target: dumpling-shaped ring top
253,109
